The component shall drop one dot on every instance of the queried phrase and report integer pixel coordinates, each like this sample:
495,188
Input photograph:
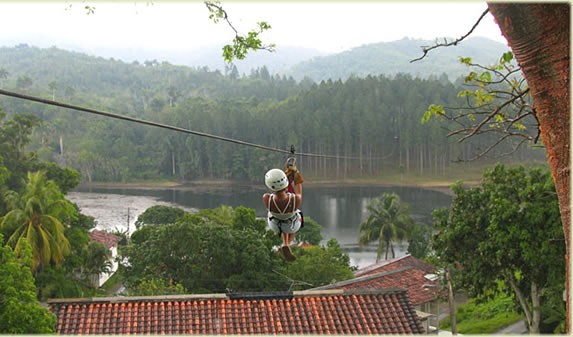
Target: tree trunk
61,146
451,303
173,163
538,34
522,301
536,309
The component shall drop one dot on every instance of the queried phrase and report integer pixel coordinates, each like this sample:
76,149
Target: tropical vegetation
388,220
507,230
20,312
34,215
484,316
512,218
222,250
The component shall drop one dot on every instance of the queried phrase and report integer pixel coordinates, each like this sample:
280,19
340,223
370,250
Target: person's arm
298,180
266,197
298,189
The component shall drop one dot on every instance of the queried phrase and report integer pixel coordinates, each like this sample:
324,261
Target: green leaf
506,57
485,76
466,60
433,110
470,77
465,93
519,126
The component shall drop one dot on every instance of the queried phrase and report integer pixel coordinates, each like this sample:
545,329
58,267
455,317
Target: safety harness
291,219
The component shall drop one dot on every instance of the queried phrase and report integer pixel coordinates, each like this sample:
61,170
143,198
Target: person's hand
298,179
291,171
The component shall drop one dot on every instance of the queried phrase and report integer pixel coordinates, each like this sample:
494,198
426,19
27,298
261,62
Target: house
388,265
356,312
407,272
111,242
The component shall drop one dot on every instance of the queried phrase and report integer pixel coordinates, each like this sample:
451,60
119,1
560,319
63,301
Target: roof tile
326,312
406,272
393,264
109,240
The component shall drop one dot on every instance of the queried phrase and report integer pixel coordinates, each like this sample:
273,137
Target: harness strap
290,197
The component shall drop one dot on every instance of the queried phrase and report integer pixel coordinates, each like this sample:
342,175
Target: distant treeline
375,120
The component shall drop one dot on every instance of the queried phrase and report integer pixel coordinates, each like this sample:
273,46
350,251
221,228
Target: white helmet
276,180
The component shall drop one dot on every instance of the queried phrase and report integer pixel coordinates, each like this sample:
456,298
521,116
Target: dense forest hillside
370,125
391,58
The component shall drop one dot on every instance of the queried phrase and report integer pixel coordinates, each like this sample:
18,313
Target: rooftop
388,265
406,272
109,240
380,311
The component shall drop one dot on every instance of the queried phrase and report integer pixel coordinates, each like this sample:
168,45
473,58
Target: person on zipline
284,216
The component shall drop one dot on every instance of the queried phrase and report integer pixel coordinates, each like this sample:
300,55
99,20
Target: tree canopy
21,312
221,250
388,220
38,214
507,229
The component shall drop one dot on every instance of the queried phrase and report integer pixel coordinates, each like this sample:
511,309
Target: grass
468,172
465,171
110,285
484,317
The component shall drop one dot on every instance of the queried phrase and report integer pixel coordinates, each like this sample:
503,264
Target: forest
360,127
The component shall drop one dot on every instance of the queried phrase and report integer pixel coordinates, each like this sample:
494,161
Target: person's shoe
282,253
286,252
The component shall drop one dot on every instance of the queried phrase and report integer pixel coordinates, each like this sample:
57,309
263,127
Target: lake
339,210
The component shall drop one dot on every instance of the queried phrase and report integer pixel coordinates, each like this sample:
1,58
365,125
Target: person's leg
290,238
285,237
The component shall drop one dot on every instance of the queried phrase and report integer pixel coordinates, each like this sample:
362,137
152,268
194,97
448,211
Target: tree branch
492,114
241,43
451,43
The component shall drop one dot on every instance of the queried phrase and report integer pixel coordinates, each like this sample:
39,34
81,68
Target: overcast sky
326,26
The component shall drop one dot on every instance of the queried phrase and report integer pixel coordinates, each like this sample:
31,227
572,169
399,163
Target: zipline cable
166,126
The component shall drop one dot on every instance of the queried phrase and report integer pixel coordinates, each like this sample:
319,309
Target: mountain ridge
383,58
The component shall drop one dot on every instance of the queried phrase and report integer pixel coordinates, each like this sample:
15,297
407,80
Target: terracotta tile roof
419,288
388,265
109,240
326,312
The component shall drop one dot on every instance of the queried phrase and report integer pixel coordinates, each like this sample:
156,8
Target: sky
325,26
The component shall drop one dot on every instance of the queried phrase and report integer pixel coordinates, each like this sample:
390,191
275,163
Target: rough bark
522,301
536,309
538,34
452,303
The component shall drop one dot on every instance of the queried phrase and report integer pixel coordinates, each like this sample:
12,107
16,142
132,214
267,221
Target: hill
390,58
384,58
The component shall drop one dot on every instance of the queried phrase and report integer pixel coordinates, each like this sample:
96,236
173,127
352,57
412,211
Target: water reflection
338,210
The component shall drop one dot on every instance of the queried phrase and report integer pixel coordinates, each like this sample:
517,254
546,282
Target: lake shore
207,186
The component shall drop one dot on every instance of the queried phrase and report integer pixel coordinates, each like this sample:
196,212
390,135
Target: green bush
478,317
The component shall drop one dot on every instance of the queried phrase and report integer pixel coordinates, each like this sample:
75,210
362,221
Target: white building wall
103,277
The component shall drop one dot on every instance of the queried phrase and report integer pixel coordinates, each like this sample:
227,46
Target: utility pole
127,234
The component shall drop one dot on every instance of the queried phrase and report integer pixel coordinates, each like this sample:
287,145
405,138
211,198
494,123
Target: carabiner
291,160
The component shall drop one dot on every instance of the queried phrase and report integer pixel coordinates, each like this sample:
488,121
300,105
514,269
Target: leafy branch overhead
497,101
241,43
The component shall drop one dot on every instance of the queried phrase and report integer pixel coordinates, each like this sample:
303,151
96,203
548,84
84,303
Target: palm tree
389,220
35,215
96,262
